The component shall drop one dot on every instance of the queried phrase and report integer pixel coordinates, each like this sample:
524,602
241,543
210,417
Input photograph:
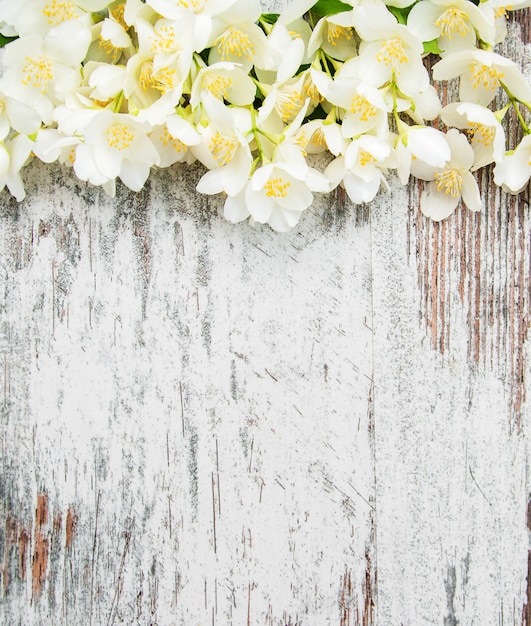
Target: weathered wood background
207,424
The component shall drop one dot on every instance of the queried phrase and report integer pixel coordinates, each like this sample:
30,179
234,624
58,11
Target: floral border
114,89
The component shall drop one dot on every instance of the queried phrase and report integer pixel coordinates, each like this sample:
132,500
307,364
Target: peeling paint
526,610
41,546
71,523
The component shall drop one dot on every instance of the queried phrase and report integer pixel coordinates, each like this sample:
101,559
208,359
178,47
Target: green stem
272,138
256,133
117,105
520,117
514,101
526,104
397,119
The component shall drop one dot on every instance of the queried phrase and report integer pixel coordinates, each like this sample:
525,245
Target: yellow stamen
223,148
169,140
366,157
102,103
318,138
165,40
118,16
59,12
449,181
107,46
163,81
393,53
217,85
119,136
289,103
479,133
145,79
362,107
502,11
301,141
336,33
277,187
195,5
233,43
453,20
310,90
486,76
38,73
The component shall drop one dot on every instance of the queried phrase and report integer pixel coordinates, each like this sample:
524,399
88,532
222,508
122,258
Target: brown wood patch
476,267
42,545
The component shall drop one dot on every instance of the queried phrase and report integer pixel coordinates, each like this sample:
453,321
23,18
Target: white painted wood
213,424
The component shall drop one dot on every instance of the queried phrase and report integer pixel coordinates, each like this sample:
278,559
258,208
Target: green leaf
317,114
431,47
5,40
270,18
401,13
323,8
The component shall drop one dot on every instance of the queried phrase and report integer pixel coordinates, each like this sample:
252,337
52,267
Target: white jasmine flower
173,141
14,154
452,22
4,161
157,72
450,183
16,115
52,145
317,136
37,17
225,81
423,144
115,144
203,13
277,194
113,31
481,74
389,52
484,131
105,80
513,171
112,41
236,37
133,10
167,43
335,35
235,208
425,105
41,71
242,43
152,93
287,99
497,11
285,52
361,169
224,148
364,105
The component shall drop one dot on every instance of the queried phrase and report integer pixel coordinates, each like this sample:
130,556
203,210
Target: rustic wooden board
214,424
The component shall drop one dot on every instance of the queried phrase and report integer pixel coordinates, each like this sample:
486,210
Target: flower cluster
115,88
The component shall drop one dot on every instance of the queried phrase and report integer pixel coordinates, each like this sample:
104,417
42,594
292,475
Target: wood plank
196,399
214,424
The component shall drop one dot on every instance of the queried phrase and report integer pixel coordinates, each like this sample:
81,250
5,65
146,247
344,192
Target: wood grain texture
214,424
196,402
